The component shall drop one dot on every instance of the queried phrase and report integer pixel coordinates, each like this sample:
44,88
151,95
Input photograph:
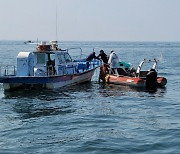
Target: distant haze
90,20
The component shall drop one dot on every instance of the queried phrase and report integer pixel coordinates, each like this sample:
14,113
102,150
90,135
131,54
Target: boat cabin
53,63
48,60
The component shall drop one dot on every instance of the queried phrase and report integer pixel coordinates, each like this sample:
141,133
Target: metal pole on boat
14,70
56,25
139,67
7,69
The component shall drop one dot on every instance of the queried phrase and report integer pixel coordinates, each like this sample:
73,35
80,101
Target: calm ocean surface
92,118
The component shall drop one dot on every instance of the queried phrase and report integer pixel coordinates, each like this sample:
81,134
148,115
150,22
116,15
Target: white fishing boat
30,42
47,67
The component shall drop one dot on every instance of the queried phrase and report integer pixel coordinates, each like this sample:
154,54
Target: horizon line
95,40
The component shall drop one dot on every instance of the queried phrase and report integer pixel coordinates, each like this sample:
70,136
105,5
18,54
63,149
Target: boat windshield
64,58
67,57
41,58
61,58
52,56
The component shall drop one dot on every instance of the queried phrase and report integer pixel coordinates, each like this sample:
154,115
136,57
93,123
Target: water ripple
95,118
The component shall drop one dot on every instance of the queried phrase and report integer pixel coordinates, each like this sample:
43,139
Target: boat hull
133,81
51,82
125,80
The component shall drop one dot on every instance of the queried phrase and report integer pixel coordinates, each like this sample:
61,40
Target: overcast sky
90,20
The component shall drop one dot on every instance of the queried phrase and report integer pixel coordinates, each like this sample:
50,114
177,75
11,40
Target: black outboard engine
151,79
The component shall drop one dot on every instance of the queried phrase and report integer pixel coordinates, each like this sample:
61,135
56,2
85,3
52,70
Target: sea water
91,117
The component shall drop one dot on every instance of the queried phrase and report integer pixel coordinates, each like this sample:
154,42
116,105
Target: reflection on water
119,90
27,111
38,103
45,94
90,89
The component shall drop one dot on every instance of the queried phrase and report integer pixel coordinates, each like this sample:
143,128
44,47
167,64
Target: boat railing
78,48
139,71
76,58
80,67
66,69
8,70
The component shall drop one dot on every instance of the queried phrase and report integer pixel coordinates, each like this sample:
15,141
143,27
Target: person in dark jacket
103,57
91,57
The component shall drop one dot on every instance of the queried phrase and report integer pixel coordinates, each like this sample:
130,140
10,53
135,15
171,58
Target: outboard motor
151,79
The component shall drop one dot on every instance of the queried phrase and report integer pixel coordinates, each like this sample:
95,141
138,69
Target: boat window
67,57
61,58
52,56
40,58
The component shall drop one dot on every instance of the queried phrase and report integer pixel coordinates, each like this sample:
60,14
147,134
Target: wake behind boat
47,67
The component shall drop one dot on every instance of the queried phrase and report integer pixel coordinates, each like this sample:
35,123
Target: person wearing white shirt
113,62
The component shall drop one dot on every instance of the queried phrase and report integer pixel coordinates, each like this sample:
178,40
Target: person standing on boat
50,66
113,62
103,56
91,57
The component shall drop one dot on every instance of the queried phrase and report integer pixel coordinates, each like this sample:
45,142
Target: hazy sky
90,20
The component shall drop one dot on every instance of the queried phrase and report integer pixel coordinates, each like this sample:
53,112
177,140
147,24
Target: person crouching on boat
103,57
90,58
113,62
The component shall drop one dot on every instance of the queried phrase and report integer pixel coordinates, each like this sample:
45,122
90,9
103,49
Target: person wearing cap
103,57
113,62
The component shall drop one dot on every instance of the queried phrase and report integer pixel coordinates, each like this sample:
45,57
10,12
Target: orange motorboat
133,77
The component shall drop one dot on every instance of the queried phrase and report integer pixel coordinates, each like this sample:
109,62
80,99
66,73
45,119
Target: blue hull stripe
35,80
39,80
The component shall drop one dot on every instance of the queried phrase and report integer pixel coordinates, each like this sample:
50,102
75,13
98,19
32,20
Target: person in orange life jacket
91,57
113,62
103,56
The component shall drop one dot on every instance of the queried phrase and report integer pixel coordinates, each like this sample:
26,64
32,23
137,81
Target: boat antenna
56,25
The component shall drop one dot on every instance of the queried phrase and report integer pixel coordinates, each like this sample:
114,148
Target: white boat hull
75,80
60,81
